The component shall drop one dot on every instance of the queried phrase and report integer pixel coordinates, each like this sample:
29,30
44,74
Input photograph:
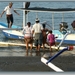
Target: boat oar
51,65
61,51
48,62
63,39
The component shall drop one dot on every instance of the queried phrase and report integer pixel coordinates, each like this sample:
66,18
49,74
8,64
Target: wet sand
65,61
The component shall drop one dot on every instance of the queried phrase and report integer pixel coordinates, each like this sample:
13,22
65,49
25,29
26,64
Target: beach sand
65,61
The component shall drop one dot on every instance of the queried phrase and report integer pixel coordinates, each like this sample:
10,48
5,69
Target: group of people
39,32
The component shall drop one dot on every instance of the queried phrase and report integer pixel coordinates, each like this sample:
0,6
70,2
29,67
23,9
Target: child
50,39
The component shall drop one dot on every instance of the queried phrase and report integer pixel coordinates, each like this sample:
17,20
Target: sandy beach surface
32,62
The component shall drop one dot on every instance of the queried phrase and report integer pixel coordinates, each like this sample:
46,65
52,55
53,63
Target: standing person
37,29
28,35
50,39
9,16
44,32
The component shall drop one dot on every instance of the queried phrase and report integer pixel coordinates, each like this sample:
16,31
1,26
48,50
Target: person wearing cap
9,16
28,38
37,29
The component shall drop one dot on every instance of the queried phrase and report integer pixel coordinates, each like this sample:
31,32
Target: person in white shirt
37,29
9,15
27,31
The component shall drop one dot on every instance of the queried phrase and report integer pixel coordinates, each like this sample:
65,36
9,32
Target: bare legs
38,47
27,42
27,46
43,46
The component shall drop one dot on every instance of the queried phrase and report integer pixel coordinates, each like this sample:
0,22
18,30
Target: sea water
43,16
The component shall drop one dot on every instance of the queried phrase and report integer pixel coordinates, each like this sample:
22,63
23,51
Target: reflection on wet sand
38,53
21,51
28,53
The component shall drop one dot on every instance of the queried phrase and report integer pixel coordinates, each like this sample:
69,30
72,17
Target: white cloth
27,31
37,27
8,10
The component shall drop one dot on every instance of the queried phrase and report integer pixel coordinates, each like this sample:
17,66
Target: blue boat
15,34
12,34
69,39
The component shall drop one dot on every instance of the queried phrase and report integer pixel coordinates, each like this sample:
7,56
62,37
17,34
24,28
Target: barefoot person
37,29
9,16
28,35
50,39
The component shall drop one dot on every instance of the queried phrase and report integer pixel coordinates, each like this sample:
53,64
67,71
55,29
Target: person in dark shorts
9,16
37,29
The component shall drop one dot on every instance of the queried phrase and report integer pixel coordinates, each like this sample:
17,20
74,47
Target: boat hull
15,34
69,39
12,34
72,42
